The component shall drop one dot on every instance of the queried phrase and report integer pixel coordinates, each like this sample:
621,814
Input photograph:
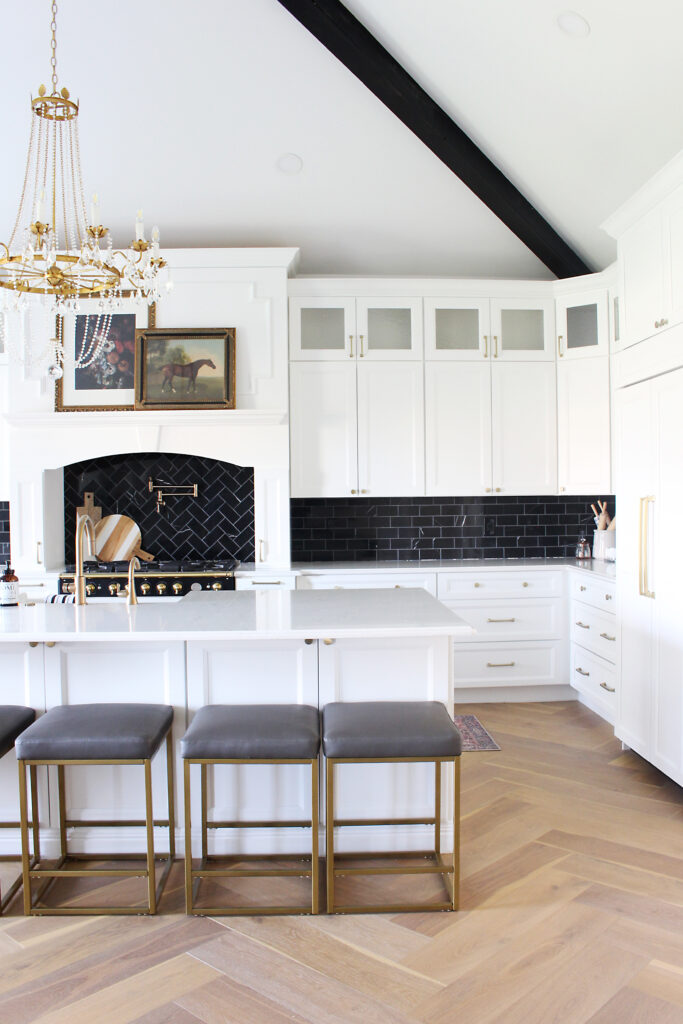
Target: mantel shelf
200,417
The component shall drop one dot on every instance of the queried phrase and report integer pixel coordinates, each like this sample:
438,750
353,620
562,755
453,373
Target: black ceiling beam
342,34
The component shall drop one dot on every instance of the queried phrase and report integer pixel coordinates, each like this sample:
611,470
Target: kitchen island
242,647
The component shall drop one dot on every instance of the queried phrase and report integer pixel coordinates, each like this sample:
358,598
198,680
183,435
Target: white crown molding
655,190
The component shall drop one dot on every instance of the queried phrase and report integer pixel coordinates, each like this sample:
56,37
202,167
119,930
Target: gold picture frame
107,383
185,368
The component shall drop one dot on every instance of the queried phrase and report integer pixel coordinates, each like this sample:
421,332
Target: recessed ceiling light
290,163
573,24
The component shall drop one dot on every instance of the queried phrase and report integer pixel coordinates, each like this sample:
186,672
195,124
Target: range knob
144,588
177,587
90,589
161,588
70,588
113,589
216,586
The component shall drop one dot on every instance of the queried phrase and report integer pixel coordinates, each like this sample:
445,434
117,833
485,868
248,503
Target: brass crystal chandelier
56,250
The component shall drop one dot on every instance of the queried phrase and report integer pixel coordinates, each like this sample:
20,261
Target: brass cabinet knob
525,584
177,587
498,490
161,588
145,588
217,586
354,492
477,584
364,490
488,490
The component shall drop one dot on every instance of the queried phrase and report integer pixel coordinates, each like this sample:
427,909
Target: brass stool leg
315,852
456,833
61,790
23,818
171,797
33,772
149,817
205,843
188,840
329,828
437,808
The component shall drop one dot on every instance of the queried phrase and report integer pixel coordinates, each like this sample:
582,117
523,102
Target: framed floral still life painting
99,357
185,368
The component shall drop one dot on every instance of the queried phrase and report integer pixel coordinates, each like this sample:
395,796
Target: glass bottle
9,588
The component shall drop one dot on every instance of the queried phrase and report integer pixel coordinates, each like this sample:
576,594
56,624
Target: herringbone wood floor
572,902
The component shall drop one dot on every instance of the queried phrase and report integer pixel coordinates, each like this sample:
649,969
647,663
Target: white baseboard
511,694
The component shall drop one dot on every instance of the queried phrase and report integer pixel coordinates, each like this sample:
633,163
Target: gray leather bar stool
374,732
249,734
14,718
96,734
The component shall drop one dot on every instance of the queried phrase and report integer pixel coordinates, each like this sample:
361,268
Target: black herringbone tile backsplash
219,523
367,529
4,530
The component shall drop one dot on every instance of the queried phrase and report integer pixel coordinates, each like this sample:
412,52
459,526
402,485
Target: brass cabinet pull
31,586
502,620
608,597
610,689
582,625
661,323
309,642
478,584
495,351
582,673
266,583
362,353
643,552
39,545
500,664
33,643
363,490
606,637
327,641
486,346
559,346
488,490
351,346
354,492
525,584
261,546
498,490
582,587
50,643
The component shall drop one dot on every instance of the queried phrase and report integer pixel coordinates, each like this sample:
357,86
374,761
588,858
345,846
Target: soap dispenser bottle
9,588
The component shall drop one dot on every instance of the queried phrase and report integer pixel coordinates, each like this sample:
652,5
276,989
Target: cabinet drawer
594,630
264,582
511,620
505,665
367,580
597,592
486,584
595,677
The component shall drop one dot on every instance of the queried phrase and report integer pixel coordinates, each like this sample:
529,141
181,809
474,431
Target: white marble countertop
240,615
592,565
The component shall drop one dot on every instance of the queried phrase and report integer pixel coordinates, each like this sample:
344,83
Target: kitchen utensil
117,539
613,524
89,508
604,519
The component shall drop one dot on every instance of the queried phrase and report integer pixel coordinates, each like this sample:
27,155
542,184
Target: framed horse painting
185,369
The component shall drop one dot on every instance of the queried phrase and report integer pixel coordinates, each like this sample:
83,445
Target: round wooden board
117,539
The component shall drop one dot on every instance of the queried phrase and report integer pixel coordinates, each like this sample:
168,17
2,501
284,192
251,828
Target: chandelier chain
53,44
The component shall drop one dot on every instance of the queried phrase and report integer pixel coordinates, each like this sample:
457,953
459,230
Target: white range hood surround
245,289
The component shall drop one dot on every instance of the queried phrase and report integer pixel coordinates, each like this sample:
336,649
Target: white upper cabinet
457,329
641,259
375,329
524,428
522,330
582,325
458,428
391,429
323,430
322,328
583,426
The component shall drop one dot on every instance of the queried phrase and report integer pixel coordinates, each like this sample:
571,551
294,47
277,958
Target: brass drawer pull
582,625
266,583
582,673
328,642
501,620
608,597
500,664
610,689
605,636
582,587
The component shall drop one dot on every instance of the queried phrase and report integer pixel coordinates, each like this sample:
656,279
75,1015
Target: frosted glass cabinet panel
582,326
322,328
457,329
522,329
388,329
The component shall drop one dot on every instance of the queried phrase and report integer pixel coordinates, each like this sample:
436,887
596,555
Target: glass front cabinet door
582,326
322,328
457,329
347,328
522,330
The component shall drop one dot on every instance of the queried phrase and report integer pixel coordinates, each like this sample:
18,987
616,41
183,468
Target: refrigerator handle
649,500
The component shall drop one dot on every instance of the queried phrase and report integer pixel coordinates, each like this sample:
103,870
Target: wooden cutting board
89,508
117,539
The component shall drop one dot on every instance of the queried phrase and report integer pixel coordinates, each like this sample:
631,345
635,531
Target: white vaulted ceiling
186,108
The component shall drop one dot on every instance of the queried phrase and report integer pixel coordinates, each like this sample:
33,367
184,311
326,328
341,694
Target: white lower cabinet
502,665
22,683
367,580
593,639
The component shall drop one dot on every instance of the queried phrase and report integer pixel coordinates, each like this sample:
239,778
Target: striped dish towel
59,599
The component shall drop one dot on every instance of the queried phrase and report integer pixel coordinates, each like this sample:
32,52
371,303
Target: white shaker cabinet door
583,426
458,427
642,278
524,428
391,429
323,434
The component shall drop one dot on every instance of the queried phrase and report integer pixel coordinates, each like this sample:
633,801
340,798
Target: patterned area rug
474,735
